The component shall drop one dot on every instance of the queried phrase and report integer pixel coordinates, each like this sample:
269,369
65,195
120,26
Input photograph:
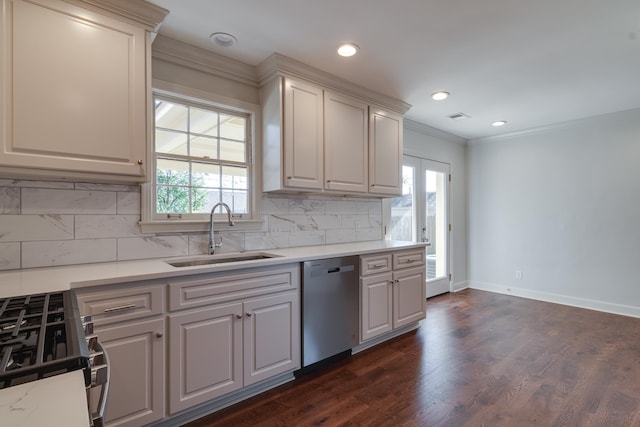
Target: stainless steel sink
220,259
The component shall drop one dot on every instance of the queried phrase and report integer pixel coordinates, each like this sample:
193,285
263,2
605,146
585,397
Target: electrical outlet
518,274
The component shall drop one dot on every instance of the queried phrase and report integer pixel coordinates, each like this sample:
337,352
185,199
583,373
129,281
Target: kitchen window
202,155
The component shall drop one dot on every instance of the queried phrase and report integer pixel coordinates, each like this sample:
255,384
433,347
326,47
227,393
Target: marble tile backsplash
45,223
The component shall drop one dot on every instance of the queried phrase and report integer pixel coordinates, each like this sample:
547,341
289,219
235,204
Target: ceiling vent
459,116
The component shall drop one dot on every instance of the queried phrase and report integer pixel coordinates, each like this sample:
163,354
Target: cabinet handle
248,314
238,316
159,334
119,308
289,177
329,180
140,162
378,265
391,282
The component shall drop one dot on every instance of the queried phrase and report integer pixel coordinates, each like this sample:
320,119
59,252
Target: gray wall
562,205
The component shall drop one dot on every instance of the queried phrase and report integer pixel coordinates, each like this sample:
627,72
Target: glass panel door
422,214
436,225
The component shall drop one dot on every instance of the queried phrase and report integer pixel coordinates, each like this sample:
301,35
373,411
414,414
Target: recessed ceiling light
439,96
223,39
348,49
499,123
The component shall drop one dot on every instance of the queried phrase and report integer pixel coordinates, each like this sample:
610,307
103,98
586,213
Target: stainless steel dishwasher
330,308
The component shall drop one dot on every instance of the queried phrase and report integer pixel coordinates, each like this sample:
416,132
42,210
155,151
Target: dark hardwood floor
479,359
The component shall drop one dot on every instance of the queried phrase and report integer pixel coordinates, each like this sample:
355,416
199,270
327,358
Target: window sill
178,226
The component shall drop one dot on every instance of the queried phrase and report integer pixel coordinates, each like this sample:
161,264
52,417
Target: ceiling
532,63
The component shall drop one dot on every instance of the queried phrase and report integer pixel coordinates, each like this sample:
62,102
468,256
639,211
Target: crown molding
431,131
177,52
278,64
569,124
141,12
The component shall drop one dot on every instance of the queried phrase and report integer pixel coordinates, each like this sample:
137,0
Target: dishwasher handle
325,271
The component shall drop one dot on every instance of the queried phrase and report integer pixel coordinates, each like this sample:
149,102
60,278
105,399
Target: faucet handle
218,242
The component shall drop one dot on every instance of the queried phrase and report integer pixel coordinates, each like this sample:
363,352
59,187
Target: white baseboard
456,287
625,310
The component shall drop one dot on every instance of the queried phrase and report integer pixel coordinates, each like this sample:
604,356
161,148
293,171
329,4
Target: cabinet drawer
407,259
122,304
217,288
375,264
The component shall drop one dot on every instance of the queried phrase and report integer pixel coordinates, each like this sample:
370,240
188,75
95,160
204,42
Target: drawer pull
248,314
378,265
119,308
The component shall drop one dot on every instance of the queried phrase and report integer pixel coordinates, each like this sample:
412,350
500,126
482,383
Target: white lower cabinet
392,292
136,384
217,350
130,325
232,330
205,352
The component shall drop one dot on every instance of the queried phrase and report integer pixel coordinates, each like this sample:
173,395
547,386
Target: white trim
430,131
278,64
189,56
459,286
544,129
625,310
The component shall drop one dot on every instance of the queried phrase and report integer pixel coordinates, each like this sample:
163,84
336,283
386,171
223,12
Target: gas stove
41,335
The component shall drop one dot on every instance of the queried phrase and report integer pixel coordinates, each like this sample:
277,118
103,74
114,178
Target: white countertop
58,401
38,280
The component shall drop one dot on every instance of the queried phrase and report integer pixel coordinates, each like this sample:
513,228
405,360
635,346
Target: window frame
152,222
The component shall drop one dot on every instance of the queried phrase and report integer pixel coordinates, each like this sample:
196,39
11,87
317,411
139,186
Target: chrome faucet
212,244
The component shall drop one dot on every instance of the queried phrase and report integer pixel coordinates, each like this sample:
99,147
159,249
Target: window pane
238,201
172,172
234,177
204,199
232,127
204,147
172,199
170,115
170,142
203,121
206,175
232,150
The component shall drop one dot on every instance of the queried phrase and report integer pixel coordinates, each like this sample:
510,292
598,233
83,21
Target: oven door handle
100,375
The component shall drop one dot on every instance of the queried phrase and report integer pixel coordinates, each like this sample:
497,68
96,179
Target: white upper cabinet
345,143
385,153
303,135
77,87
325,135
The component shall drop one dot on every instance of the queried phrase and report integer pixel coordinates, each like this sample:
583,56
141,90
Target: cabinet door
136,357
376,308
385,153
345,143
271,336
409,296
76,83
303,135
205,355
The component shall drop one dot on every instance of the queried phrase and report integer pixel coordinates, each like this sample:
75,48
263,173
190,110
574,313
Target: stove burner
40,335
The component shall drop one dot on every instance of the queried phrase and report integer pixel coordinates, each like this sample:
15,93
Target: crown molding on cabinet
278,64
141,12
428,130
196,58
